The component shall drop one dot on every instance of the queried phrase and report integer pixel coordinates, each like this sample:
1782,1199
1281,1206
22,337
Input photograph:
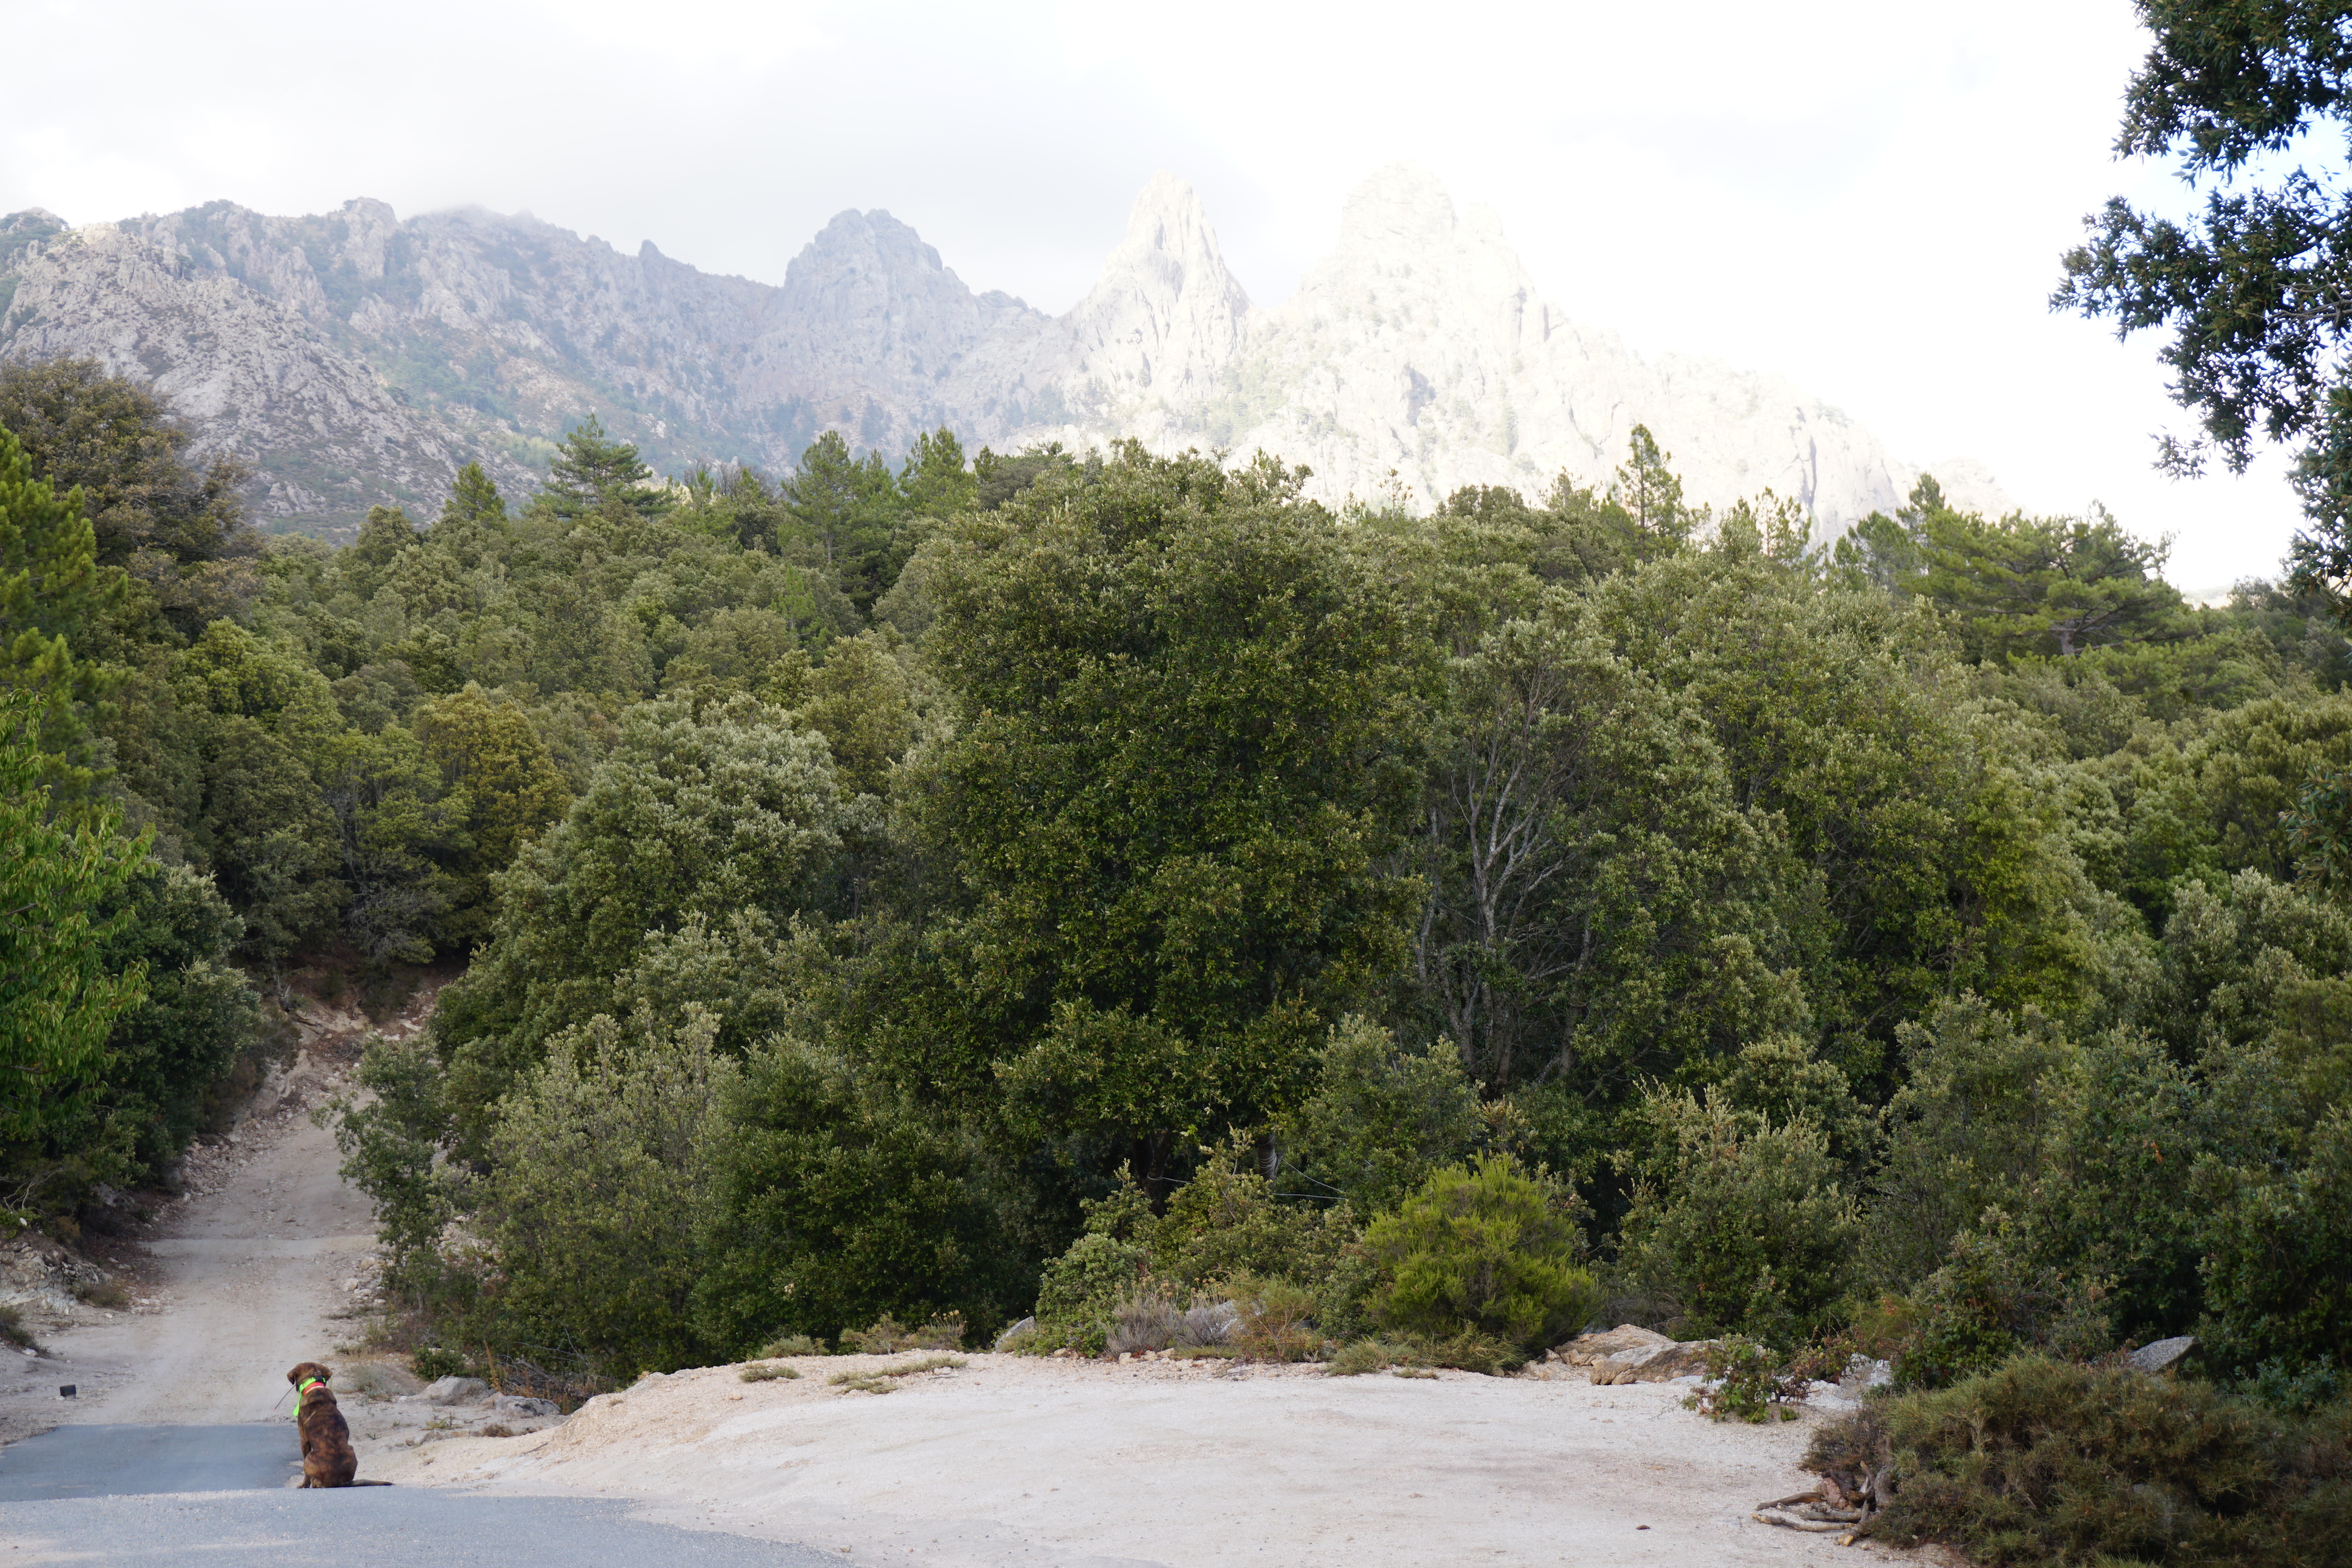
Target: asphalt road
216,1496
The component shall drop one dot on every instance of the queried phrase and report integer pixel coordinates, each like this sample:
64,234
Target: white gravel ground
1013,1460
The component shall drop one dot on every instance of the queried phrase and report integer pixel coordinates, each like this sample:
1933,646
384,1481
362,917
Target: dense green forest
1083,885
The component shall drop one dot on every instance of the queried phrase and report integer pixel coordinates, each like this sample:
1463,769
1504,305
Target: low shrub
1485,1250
1411,1354
105,1294
1357,1357
1146,1321
1986,1304
883,1379
791,1344
889,1335
2294,1390
1225,1224
2043,1462
1277,1319
767,1372
1208,1325
1748,1385
432,1363
13,1329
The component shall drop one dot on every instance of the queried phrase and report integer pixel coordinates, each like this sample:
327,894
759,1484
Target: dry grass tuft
883,1379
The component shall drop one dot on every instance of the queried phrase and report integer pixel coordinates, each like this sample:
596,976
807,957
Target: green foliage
888,1335
1187,710
1739,1224
2020,586
839,1205
2294,1391
1052,852
1746,1384
2040,1462
1380,1119
1483,1248
1278,1319
1594,884
1410,1355
1229,1221
492,760
590,471
2278,1268
1650,492
1227,1234
1968,1130
115,440
391,1142
52,594
849,507
169,1048
602,1172
2247,286
791,1344
695,821
62,885
1988,1303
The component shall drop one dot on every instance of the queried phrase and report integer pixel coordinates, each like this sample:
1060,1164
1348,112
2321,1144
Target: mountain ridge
355,357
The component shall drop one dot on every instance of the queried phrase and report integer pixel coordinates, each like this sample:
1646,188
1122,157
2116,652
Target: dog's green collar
305,1387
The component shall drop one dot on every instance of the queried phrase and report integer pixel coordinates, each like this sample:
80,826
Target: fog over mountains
354,358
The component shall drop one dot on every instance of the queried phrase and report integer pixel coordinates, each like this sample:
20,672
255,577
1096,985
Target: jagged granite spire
356,358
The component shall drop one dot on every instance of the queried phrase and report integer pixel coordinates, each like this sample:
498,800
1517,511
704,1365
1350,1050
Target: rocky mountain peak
1167,314
356,358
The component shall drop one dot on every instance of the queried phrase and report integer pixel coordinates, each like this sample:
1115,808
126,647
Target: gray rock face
456,1390
356,359
1630,1353
2163,1354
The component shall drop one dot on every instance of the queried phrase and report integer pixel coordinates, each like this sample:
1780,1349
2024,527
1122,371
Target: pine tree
590,471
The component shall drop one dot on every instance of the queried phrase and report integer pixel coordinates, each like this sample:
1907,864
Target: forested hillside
1047,886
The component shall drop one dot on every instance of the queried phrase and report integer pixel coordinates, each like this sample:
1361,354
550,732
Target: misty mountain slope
249,375
356,358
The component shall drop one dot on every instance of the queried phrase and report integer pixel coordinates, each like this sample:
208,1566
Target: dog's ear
295,1375
325,1372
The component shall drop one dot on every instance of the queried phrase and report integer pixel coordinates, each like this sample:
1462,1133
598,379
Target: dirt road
251,1282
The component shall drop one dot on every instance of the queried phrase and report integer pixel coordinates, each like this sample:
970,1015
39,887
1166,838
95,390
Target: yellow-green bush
1485,1248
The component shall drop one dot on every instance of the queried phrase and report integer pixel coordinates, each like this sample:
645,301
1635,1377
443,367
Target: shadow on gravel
374,1527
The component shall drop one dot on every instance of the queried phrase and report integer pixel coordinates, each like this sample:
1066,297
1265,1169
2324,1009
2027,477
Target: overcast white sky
1868,198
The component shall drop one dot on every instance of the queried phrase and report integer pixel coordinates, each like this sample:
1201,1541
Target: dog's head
310,1370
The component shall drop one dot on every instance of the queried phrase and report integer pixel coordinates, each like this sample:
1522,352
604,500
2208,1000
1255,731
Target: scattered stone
1587,1348
2163,1354
456,1390
517,1405
1654,1363
1863,1375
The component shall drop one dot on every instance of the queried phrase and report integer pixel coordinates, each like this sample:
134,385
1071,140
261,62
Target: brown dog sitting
327,1457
